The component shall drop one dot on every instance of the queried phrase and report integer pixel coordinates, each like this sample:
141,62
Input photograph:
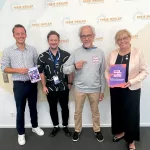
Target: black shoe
54,131
99,136
116,139
75,136
67,132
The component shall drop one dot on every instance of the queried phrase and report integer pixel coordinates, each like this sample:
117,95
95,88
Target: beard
53,48
87,45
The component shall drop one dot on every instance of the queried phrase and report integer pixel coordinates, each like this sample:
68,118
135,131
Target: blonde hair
120,33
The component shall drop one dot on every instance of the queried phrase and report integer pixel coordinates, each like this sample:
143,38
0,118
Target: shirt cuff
3,68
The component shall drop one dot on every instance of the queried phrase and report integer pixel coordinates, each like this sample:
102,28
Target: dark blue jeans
22,92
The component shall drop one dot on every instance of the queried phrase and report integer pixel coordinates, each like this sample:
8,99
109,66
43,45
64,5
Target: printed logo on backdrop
56,3
2,2
98,39
90,1
135,37
64,41
99,36
37,24
141,16
68,21
17,7
102,18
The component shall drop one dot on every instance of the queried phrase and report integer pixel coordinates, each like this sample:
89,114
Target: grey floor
87,141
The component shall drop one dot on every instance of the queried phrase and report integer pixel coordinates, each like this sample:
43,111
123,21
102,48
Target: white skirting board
70,125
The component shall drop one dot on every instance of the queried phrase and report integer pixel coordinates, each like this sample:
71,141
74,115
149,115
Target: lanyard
54,60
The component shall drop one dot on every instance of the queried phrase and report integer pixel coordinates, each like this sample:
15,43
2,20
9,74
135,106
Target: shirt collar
51,52
16,47
94,47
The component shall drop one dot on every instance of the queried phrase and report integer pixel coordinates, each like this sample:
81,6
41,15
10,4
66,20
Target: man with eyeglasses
88,63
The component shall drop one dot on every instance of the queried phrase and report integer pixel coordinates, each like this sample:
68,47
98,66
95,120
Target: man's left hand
101,96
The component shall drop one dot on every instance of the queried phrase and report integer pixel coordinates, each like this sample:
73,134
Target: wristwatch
70,83
75,66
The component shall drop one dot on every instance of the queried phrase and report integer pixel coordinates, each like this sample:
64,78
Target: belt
28,81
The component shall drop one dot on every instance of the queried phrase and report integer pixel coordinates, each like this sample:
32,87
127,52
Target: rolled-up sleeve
69,67
5,62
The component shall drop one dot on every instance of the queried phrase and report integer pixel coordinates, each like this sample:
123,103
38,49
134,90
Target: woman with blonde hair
125,101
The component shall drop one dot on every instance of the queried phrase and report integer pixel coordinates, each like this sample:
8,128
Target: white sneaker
21,139
38,131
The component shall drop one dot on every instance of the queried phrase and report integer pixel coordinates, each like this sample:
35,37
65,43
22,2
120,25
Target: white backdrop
66,16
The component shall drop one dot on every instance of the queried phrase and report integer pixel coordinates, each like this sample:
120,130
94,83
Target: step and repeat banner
66,17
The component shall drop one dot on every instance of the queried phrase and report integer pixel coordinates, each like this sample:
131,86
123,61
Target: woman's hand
127,85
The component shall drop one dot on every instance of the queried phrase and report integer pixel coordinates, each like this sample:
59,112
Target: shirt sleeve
68,66
5,62
41,63
143,71
102,74
66,57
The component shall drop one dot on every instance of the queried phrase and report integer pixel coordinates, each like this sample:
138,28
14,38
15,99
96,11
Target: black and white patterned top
15,58
46,66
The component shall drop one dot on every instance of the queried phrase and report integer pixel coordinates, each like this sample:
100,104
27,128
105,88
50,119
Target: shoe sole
22,144
115,139
77,139
100,140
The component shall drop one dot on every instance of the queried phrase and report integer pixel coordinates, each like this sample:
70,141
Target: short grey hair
93,29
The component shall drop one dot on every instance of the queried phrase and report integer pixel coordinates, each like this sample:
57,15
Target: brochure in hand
34,75
117,75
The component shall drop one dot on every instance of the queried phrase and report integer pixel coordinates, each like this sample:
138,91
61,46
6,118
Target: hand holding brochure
117,75
34,75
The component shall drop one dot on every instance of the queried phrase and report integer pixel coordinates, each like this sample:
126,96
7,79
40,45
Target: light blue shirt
15,58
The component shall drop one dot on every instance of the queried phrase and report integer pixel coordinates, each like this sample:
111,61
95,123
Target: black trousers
125,113
22,92
62,97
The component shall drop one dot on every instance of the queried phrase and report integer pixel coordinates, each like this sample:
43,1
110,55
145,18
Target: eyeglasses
123,39
86,36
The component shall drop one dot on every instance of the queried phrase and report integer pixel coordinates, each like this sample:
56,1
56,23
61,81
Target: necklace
126,57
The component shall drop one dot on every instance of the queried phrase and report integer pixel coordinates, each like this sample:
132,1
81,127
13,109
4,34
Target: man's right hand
45,90
22,70
79,64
